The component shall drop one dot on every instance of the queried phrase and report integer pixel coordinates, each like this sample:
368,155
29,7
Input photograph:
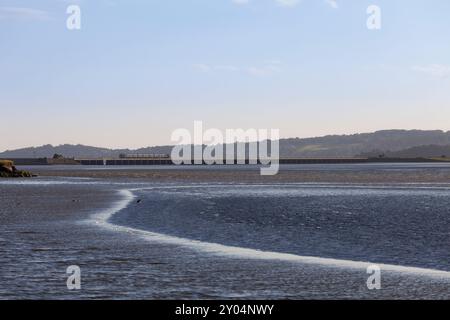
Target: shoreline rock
8,170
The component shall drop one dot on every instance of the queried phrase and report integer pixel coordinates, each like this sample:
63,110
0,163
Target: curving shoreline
50,234
218,249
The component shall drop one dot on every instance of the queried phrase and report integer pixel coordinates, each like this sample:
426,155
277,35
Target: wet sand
44,230
376,174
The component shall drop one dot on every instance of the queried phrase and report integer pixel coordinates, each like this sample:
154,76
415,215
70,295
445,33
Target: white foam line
101,219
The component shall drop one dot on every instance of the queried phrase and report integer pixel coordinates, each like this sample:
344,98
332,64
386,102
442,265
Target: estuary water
135,238
398,225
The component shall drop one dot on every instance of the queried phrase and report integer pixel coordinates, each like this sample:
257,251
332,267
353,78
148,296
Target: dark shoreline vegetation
8,170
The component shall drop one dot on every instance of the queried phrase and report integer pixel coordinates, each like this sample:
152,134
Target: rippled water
141,239
400,225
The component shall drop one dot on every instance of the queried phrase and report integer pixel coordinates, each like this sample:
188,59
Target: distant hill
430,151
356,144
77,151
386,141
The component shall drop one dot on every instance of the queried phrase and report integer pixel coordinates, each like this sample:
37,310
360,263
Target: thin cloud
268,68
22,13
110,3
263,71
283,3
226,68
288,3
435,70
202,67
332,3
241,1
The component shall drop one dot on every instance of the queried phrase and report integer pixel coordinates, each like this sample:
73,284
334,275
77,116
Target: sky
139,69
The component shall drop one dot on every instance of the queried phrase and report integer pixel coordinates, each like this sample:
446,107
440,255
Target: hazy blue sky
137,70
